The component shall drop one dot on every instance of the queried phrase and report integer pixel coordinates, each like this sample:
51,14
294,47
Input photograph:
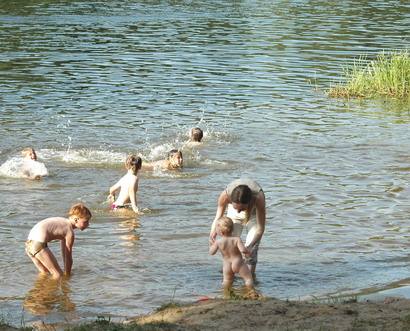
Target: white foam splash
18,167
83,156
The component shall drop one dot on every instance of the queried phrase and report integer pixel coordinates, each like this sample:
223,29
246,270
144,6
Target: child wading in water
128,185
56,228
231,249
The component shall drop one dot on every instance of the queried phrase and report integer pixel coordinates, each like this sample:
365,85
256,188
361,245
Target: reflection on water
48,295
129,228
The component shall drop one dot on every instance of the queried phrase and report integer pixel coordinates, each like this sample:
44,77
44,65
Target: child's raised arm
213,248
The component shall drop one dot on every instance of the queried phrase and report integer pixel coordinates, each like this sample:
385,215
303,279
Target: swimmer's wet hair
133,162
172,152
225,225
27,150
197,134
241,194
80,210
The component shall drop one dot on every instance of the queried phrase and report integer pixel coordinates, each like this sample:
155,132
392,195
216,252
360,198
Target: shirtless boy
56,228
231,249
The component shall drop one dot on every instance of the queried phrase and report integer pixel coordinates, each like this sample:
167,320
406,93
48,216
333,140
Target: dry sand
272,314
391,313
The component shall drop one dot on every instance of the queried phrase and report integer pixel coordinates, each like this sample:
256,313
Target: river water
87,82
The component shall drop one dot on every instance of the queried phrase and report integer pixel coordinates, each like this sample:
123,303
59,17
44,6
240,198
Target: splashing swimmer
173,161
244,199
56,228
32,168
128,186
195,138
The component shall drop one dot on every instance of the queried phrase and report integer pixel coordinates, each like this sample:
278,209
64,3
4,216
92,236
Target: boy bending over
231,249
56,228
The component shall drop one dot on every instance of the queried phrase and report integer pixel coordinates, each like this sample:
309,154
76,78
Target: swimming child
195,138
173,161
56,228
196,135
128,185
231,249
32,168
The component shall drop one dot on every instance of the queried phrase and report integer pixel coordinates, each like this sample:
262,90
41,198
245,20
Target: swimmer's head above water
196,134
175,159
29,153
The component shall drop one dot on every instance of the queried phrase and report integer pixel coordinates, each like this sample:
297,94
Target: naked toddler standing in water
231,249
56,228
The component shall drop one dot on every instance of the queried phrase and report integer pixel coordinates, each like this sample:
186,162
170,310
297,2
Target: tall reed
388,75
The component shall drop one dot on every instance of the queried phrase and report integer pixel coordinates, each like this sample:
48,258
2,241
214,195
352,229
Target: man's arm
260,218
67,251
223,201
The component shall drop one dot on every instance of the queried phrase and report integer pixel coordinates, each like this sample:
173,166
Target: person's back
128,185
229,247
52,228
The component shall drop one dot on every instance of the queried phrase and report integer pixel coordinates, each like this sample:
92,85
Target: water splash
18,167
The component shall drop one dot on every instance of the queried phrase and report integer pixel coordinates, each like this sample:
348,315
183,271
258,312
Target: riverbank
263,314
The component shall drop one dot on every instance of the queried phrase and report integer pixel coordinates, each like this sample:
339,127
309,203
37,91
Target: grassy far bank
262,314
386,76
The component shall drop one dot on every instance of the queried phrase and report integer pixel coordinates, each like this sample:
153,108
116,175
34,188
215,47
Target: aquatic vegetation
386,76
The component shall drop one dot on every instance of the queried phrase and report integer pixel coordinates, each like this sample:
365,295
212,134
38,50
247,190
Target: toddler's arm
213,248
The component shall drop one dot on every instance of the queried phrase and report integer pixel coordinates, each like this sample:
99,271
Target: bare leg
49,261
228,275
252,268
245,273
41,268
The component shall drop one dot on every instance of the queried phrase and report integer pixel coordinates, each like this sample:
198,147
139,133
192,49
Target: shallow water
86,83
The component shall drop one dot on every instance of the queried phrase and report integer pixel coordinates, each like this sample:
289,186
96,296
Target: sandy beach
384,313
271,314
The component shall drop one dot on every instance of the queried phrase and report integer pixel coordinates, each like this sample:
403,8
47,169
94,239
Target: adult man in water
245,203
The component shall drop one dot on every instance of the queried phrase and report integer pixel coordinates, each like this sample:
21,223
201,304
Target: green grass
105,324
386,76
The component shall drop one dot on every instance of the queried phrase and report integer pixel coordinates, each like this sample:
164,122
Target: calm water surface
86,83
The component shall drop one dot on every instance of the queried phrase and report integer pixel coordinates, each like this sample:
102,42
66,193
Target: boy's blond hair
225,225
27,150
80,210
